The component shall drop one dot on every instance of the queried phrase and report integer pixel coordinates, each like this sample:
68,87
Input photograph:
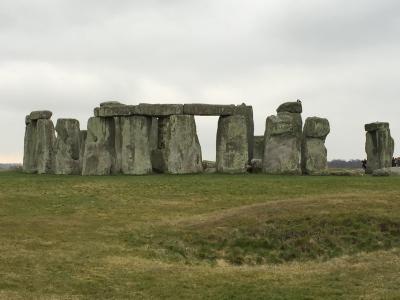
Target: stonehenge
162,138
379,146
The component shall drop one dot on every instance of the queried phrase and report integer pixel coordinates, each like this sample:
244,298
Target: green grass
199,237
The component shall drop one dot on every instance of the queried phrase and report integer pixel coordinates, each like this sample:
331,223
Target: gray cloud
340,57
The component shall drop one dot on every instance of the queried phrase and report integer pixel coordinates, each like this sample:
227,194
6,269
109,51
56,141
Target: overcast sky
341,57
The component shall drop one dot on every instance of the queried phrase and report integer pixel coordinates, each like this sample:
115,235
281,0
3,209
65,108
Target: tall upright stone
379,146
82,144
282,140
135,145
45,146
179,150
232,144
247,112
314,154
39,143
99,157
30,161
67,147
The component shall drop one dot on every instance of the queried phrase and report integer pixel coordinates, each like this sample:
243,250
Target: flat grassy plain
199,237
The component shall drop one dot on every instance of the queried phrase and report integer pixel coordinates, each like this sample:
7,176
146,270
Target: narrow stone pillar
39,143
82,144
314,154
282,140
30,160
379,146
99,157
135,145
232,144
67,147
179,150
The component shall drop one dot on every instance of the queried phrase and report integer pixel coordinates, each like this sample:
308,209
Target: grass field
199,237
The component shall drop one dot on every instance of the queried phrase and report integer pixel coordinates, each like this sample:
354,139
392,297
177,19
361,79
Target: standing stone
39,143
314,154
232,144
82,144
99,158
179,150
153,135
30,161
379,146
45,146
117,167
67,147
247,112
282,140
135,145
258,147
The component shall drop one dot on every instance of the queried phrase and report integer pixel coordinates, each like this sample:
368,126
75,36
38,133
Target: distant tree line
10,166
348,164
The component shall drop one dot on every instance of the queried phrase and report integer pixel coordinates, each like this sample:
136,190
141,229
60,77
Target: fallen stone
209,166
179,145
392,171
232,144
379,147
67,147
99,158
291,107
256,165
40,114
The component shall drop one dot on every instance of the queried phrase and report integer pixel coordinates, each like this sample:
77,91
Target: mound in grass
279,231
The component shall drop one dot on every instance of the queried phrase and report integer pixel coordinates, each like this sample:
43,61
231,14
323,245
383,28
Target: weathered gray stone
45,139
376,126
82,144
209,166
159,110
117,167
209,109
111,104
379,146
315,127
392,171
314,154
291,107
153,134
115,111
258,147
282,144
30,158
232,144
178,145
67,147
256,165
99,158
40,114
135,147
